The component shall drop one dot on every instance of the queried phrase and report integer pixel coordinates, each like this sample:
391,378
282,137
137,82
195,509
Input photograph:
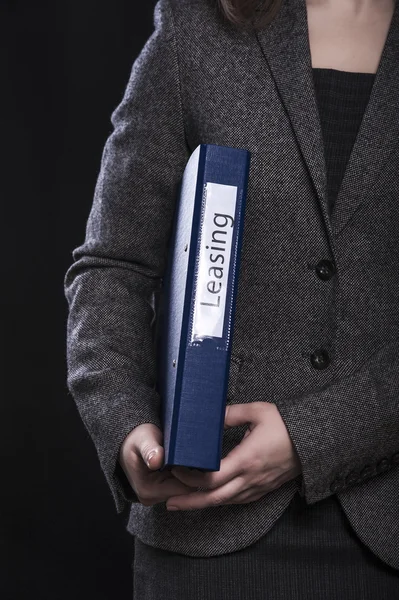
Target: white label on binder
214,260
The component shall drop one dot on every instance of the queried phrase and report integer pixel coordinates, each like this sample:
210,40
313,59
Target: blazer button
320,359
383,465
337,485
325,269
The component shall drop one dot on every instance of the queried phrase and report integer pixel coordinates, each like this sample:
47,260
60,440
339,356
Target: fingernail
151,454
172,508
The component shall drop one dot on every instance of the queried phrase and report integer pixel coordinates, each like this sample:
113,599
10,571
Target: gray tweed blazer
322,344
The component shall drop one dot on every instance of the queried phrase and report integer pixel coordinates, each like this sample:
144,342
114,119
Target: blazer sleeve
116,271
349,431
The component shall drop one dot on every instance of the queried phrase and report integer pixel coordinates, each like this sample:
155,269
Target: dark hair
249,14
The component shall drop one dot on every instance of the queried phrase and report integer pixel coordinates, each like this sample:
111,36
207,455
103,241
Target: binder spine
188,298
195,400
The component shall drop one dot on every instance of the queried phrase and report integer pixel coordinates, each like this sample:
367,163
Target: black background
64,66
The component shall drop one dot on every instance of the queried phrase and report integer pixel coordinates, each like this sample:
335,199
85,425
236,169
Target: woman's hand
140,456
264,460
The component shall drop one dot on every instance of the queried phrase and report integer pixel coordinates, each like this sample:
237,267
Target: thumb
153,458
151,448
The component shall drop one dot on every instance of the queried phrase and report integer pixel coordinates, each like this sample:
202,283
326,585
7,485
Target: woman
305,503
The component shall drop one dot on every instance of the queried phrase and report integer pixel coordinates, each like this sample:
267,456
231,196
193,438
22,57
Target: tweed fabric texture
341,99
199,80
311,552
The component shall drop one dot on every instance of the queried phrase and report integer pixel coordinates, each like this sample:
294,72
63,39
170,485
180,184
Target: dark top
342,98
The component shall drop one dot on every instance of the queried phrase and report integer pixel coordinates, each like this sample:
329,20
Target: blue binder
196,312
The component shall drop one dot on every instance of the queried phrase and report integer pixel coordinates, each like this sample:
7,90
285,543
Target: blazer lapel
377,137
285,45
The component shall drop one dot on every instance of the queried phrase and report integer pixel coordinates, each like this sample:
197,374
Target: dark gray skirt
311,553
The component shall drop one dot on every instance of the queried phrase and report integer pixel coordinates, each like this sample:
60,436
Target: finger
208,480
240,414
148,444
237,462
205,499
196,479
160,490
239,459
152,454
247,497
172,487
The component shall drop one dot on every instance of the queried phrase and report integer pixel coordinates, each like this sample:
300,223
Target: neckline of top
325,69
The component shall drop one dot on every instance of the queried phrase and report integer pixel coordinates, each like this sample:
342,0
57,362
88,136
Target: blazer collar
285,45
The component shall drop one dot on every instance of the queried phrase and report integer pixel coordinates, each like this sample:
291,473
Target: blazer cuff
347,432
123,406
